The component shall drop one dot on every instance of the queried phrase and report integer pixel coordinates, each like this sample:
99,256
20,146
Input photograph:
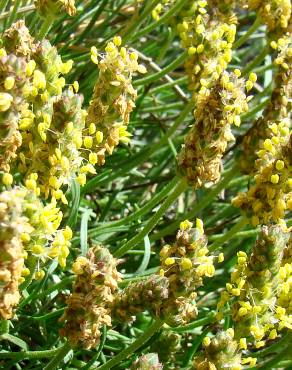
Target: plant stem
157,198
203,203
62,352
155,76
11,19
97,354
229,234
157,324
47,24
180,188
90,25
3,5
256,61
29,354
209,318
247,34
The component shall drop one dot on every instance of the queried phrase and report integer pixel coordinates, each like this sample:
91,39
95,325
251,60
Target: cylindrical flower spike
255,285
12,102
279,106
44,240
207,30
113,99
206,142
12,225
219,353
185,264
140,296
275,13
269,197
54,146
48,123
88,306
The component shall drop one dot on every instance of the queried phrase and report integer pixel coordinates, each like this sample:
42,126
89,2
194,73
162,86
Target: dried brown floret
88,305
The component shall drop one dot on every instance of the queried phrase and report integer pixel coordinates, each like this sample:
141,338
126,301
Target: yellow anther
37,249
117,40
275,179
30,67
5,101
91,129
88,142
200,225
39,79
192,50
25,272
9,83
66,67
7,179
92,158
252,77
206,341
248,85
274,45
185,225
280,165
220,257
81,178
169,261
237,72
99,137
186,263
39,275
200,48
242,343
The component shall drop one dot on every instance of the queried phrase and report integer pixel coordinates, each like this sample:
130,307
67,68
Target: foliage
145,184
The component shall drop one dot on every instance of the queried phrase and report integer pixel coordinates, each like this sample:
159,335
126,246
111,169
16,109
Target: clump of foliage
145,184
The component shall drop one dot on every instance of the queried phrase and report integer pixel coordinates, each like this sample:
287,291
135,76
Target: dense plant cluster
145,184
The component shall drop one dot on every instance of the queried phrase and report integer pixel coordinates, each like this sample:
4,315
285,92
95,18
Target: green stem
203,203
29,354
256,61
275,347
240,234
32,268
180,188
59,286
247,34
12,17
196,324
3,5
155,76
157,198
84,231
97,354
47,24
4,326
196,344
62,352
90,25
157,324
230,234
